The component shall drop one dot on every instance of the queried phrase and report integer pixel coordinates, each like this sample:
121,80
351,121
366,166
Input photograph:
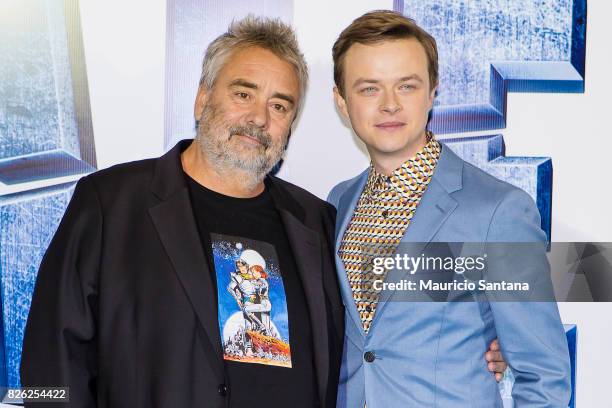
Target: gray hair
251,31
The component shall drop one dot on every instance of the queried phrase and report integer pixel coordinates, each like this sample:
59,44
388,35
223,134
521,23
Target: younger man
417,190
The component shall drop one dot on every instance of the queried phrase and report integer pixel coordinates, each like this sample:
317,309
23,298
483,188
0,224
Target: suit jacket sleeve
59,344
531,334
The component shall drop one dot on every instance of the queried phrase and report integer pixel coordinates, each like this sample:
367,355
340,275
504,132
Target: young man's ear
200,102
340,103
432,96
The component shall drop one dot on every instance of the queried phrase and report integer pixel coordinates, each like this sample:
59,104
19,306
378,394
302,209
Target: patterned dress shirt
381,217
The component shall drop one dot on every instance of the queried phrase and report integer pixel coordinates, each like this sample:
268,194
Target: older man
132,307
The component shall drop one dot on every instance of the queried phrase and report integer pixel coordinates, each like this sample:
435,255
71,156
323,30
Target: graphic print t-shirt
263,317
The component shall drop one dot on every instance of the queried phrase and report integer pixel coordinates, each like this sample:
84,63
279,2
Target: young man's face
387,98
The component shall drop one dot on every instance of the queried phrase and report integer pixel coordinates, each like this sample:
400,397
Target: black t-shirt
262,311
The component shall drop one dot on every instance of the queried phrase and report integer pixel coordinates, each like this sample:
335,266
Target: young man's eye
406,87
368,90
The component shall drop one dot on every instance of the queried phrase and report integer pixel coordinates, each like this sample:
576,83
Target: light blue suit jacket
432,354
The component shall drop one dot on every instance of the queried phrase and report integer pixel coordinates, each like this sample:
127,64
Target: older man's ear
200,102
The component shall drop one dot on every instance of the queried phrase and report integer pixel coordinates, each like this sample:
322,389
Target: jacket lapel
176,226
346,207
306,247
437,203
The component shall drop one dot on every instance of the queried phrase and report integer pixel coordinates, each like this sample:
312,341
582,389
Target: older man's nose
259,115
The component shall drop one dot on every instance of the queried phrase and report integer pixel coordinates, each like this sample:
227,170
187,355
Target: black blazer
123,311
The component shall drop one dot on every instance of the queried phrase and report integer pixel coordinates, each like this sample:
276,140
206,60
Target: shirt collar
407,178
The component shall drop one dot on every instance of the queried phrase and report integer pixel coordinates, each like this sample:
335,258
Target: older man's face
245,119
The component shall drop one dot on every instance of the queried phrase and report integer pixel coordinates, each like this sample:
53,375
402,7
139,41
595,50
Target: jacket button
222,389
369,356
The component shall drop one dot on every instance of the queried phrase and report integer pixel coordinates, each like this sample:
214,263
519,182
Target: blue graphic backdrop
489,48
28,221
46,138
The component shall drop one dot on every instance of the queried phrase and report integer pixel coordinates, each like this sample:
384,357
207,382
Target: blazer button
369,356
222,390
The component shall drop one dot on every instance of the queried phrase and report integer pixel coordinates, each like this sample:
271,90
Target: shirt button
222,389
385,214
369,356
368,308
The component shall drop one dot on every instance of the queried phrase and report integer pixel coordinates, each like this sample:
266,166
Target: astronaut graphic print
253,319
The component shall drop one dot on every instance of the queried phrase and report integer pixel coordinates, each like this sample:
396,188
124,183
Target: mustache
252,131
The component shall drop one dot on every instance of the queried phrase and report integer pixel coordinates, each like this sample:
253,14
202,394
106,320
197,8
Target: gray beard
214,139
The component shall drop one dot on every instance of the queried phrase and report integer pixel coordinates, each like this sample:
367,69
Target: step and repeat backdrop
517,98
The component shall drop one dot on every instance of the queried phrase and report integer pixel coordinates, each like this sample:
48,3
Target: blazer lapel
347,204
306,247
176,226
346,207
307,252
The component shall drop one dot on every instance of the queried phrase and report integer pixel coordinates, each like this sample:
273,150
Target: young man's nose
390,103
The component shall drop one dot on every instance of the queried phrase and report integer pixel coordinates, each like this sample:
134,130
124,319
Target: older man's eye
242,95
279,108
